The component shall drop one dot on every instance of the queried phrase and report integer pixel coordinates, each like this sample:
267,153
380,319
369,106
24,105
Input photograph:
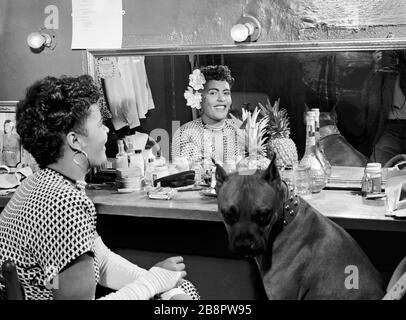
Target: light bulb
35,40
239,32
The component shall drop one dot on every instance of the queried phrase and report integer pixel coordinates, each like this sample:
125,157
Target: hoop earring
81,159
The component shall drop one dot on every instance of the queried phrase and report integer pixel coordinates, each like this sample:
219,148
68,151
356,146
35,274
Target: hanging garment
128,92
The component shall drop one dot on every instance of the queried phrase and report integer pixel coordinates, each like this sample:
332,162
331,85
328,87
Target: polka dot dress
47,224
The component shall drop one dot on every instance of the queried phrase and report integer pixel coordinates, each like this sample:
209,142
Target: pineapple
278,134
251,134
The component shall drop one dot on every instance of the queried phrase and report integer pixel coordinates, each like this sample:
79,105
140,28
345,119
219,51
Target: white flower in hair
192,95
193,99
196,80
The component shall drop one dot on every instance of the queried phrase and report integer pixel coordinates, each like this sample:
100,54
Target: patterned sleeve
65,232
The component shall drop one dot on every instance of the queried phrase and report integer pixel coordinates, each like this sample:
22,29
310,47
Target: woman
10,145
211,135
48,228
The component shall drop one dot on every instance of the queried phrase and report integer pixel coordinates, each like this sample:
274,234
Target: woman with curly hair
211,135
48,228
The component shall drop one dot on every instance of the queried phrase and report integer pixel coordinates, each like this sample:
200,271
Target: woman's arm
77,281
115,271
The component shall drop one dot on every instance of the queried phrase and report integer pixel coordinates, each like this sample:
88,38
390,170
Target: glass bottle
207,170
319,148
198,169
121,157
310,159
149,173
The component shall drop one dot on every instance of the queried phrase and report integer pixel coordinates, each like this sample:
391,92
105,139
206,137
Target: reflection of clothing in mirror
196,140
10,149
386,105
128,92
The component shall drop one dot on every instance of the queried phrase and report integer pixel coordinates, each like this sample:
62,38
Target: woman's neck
213,123
69,169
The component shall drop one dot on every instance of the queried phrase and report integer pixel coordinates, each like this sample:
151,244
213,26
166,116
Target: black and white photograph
225,153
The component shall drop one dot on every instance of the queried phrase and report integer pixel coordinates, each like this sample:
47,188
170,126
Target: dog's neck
328,130
290,204
290,210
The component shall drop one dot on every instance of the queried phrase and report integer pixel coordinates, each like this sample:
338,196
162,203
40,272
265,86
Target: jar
182,163
372,179
230,166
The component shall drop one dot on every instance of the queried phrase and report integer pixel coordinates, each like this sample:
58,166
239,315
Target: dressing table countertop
344,207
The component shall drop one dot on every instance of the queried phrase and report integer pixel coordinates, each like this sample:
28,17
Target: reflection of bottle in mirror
319,149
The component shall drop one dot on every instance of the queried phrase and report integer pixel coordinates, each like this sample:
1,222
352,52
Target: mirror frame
247,48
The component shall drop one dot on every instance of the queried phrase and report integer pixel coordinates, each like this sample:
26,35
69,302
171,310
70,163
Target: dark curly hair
219,73
52,108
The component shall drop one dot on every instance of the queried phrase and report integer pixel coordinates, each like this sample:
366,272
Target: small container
198,169
303,181
230,166
372,179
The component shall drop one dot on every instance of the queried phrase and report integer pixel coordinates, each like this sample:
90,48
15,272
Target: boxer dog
300,253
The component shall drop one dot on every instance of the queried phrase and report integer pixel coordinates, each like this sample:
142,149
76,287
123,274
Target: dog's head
250,205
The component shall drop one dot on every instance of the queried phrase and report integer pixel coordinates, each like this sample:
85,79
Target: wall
184,22
19,67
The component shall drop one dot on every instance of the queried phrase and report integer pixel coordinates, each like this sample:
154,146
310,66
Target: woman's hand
173,263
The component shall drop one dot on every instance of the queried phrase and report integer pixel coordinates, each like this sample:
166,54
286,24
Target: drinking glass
302,181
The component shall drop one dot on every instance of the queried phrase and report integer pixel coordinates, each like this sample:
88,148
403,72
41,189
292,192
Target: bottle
207,170
149,173
198,169
137,160
160,159
121,157
319,149
310,159
147,155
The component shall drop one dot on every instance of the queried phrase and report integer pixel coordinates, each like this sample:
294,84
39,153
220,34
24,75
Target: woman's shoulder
191,126
47,185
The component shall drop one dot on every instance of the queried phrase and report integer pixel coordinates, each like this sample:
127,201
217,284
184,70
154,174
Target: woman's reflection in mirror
211,135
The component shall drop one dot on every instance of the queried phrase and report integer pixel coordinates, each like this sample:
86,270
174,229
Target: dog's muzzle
247,245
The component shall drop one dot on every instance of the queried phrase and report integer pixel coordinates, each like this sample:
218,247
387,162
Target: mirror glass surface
347,85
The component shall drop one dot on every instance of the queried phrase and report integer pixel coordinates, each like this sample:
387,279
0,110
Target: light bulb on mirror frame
239,32
247,29
39,40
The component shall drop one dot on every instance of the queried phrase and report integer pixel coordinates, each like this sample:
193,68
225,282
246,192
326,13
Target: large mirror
349,82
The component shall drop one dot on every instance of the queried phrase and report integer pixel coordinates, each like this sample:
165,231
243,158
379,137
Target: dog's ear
271,174
221,176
